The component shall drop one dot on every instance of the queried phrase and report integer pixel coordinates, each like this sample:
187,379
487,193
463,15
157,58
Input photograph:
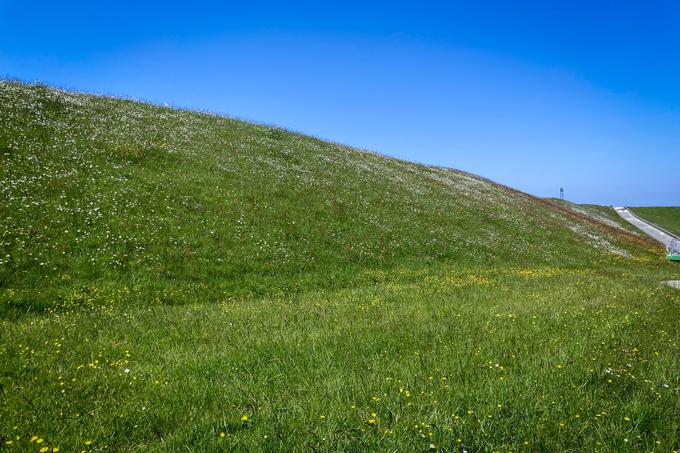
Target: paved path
650,230
674,283
653,232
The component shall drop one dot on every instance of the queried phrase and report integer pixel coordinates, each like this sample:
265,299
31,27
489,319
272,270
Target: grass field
603,214
179,281
665,217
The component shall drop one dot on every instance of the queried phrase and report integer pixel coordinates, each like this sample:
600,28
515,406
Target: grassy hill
170,277
666,217
602,214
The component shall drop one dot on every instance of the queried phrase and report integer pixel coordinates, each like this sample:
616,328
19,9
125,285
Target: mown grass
666,217
166,273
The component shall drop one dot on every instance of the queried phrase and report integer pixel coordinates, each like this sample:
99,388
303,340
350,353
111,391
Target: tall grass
172,280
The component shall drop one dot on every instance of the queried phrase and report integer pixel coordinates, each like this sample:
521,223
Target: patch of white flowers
66,167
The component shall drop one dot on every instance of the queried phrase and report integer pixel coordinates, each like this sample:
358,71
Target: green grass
665,217
165,273
603,214
609,213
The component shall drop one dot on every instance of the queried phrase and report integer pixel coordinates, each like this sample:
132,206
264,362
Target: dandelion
244,418
626,419
371,422
322,417
222,434
43,449
88,442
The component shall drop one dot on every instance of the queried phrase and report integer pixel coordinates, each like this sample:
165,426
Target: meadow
180,281
602,214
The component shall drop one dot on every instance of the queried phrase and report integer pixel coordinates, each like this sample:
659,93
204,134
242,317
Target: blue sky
536,95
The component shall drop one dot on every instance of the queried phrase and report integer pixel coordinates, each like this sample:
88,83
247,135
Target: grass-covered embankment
171,278
602,214
667,217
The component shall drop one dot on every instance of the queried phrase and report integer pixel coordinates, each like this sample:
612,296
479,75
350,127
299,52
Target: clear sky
537,95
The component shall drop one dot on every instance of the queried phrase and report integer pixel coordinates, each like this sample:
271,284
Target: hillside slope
96,189
174,281
601,214
667,217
